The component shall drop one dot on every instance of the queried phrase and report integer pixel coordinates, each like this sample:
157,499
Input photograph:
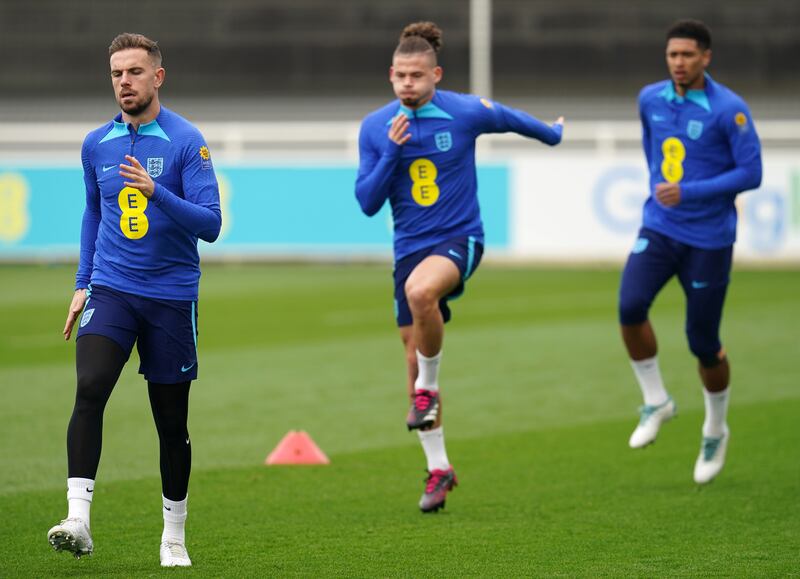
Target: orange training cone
296,448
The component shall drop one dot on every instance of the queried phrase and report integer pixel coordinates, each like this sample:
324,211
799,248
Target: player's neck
697,84
145,116
422,103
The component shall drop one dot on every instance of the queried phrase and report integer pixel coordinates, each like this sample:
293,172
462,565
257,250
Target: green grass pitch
539,402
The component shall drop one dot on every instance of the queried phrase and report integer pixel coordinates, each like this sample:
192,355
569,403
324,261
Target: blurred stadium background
278,88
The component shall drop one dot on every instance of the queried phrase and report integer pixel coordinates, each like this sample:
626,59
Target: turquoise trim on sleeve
470,257
119,130
194,327
153,129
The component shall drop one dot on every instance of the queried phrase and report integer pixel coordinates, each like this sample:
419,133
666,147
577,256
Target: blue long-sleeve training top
431,181
147,247
706,142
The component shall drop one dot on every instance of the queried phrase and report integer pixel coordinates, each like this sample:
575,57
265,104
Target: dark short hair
131,40
693,29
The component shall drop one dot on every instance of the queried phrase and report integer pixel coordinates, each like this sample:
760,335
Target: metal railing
337,140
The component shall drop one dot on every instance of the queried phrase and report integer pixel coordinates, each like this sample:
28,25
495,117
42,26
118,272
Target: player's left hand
668,194
137,177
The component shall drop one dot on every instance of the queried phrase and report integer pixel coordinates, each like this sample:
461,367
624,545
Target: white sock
428,376
716,412
79,498
433,445
174,520
648,375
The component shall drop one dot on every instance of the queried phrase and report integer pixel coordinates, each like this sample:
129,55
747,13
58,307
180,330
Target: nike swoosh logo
187,368
699,284
453,253
108,168
91,490
187,441
167,508
658,117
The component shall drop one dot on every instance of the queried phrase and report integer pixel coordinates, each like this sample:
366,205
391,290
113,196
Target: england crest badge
444,141
694,129
86,317
155,166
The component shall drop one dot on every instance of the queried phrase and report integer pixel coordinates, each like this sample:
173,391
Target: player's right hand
559,121
75,309
398,131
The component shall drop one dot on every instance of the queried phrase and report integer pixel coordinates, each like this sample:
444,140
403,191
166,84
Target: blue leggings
704,275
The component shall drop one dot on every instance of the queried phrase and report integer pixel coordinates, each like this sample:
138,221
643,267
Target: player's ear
160,75
391,73
437,73
707,57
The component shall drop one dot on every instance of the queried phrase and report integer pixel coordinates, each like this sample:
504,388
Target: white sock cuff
721,395
645,363
175,510
80,488
428,372
648,375
431,433
424,358
432,442
716,404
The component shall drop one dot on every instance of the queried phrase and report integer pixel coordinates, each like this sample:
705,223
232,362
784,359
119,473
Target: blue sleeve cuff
688,191
392,150
158,194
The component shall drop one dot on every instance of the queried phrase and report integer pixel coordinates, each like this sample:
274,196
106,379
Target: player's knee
173,433
420,296
633,310
171,424
705,349
93,387
710,362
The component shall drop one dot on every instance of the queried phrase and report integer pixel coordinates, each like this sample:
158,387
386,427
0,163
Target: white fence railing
238,141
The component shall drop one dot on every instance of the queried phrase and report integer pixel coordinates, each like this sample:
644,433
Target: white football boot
73,536
174,554
651,419
712,457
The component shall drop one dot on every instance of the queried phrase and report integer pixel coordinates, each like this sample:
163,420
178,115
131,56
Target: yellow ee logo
674,154
14,215
423,173
133,222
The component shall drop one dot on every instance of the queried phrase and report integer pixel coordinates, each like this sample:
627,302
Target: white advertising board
585,206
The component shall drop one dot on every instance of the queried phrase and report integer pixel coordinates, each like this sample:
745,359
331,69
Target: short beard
689,82
137,109
410,103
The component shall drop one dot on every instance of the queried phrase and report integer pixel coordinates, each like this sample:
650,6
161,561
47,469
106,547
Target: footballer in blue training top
151,194
418,153
702,150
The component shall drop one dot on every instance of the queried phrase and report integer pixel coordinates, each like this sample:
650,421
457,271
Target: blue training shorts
704,275
465,252
165,331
